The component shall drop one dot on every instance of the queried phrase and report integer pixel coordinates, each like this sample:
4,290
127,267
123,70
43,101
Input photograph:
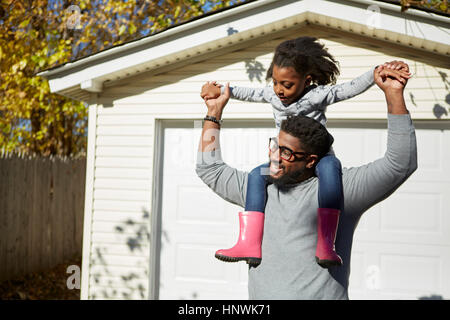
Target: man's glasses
285,153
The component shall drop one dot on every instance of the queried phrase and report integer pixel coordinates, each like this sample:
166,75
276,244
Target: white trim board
88,202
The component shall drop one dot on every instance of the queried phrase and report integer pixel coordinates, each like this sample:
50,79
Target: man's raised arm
227,182
369,184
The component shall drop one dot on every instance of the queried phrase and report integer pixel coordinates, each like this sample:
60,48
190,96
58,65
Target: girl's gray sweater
312,104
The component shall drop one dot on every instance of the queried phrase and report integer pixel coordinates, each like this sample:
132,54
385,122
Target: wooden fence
41,212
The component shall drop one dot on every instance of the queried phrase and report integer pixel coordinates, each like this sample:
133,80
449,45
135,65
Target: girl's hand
216,105
397,65
210,90
389,79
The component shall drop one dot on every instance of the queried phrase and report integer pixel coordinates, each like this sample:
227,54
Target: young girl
300,71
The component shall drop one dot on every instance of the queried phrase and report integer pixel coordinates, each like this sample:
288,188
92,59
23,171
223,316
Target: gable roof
237,26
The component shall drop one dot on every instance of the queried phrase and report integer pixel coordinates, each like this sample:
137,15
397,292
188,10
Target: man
288,269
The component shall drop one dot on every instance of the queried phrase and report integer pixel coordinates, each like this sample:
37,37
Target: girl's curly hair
307,57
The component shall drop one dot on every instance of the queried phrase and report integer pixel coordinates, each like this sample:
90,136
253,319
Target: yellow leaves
14,68
131,28
24,23
41,96
39,135
437,5
122,29
45,122
7,128
22,64
177,12
41,63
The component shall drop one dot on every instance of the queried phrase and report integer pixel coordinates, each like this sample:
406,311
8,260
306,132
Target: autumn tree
438,6
38,34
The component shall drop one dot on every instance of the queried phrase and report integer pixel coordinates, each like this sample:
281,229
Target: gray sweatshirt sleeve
367,185
248,94
323,96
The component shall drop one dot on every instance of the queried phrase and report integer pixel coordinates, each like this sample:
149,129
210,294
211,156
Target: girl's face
288,84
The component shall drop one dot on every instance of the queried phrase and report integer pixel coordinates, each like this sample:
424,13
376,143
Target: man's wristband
213,119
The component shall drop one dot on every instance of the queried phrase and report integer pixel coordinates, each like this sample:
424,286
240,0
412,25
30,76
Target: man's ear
308,80
311,161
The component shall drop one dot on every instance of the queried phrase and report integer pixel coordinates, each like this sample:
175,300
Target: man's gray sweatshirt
288,269
314,101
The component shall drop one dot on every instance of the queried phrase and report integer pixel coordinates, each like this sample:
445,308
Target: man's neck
307,174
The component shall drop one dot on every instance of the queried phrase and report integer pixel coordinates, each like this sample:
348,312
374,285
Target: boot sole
328,263
250,260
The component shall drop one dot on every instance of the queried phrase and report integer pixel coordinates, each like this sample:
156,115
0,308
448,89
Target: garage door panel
399,271
433,153
208,211
424,273
358,263
194,272
180,151
365,270
191,261
418,270
356,148
246,148
369,222
365,145
414,212
410,215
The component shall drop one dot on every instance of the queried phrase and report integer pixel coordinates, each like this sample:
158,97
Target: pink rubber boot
248,247
327,224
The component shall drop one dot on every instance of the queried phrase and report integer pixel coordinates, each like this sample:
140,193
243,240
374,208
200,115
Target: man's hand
216,105
210,90
390,79
209,140
392,82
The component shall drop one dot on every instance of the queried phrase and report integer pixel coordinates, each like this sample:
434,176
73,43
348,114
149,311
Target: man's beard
287,179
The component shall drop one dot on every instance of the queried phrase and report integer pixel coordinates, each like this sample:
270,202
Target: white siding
178,91
125,126
121,202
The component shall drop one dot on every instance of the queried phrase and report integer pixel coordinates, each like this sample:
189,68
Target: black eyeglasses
285,153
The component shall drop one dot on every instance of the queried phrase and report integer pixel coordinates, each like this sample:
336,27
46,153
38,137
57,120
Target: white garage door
401,248
402,245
